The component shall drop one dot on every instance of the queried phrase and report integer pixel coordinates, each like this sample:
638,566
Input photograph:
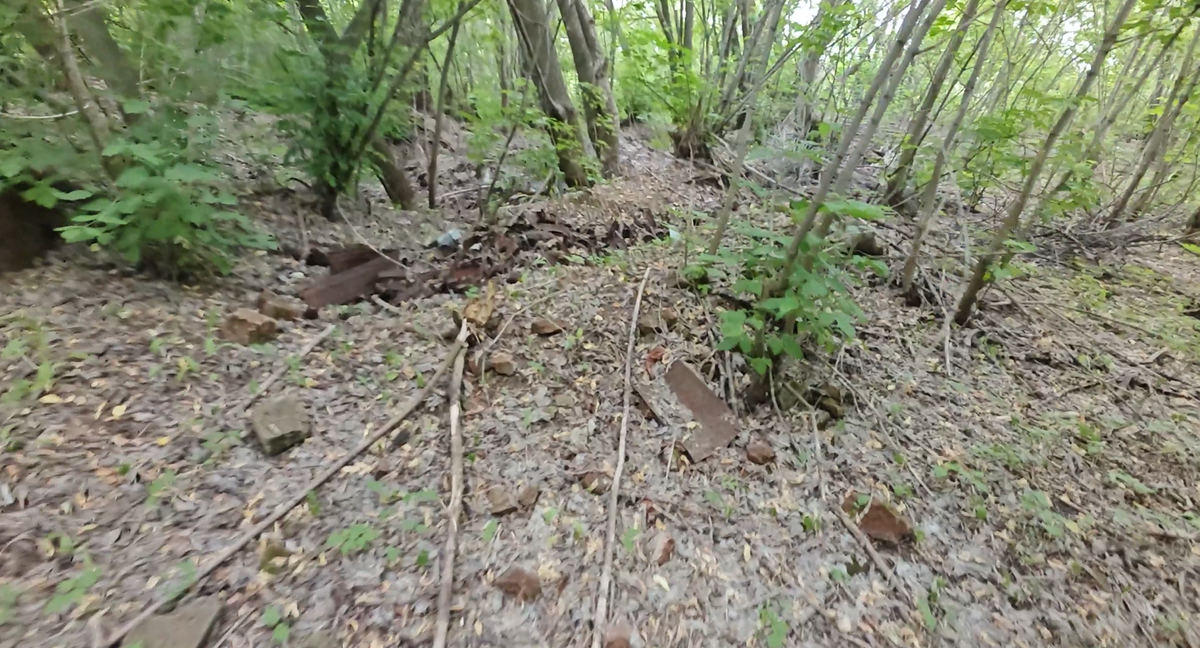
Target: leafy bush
168,210
815,304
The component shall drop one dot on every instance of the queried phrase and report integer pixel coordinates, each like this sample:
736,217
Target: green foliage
815,298
352,539
70,592
773,627
273,618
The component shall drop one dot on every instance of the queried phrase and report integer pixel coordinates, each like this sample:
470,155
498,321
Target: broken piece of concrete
280,423
718,425
245,326
189,626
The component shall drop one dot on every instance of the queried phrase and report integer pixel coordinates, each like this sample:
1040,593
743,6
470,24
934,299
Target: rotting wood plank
718,425
346,287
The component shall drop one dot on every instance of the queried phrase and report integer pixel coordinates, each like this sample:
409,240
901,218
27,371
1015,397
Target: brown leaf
759,451
655,355
662,547
479,310
543,326
883,524
618,635
596,482
520,583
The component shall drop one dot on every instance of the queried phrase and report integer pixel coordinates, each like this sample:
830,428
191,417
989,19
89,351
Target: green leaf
855,209
814,289
280,634
188,173
489,531
135,106
752,286
760,365
78,194
271,616
927,614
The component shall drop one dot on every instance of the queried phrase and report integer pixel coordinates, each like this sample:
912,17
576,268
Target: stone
545,327
758,451
528,496
244,326
501,501
280,423
596,482
502,363
520,583
279,308
189,626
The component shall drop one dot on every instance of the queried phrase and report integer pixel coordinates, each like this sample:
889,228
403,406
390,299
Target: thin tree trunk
966,303
744,133
395,182
530,19
849,134
436,145
591,66
897,182
928,206
1161,133
97,123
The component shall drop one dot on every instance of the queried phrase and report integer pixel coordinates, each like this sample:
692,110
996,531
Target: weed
353,539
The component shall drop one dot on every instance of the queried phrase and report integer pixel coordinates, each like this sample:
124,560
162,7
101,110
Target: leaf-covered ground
1046,457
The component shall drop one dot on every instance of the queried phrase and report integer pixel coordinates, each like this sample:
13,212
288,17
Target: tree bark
435,146
897,182
530,19
97,123
591,66
928,207
395,182
966,303
1176,99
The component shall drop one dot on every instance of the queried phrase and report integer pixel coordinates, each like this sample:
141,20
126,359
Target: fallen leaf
662,582
596,482
881,523
479,310
50,399
655,355
662,547
618,635
118,411
520,583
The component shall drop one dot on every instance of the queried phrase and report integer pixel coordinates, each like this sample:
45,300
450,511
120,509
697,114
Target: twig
600,620
295,501
283,367
456,490
362,239
232,629
69,113
818,452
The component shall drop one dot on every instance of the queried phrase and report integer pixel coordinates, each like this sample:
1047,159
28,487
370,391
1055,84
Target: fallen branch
456,492
295,501
282,369
600,620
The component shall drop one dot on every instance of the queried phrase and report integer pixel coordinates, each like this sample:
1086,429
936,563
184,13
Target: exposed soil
1046,456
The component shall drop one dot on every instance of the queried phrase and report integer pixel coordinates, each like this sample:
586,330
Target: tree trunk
530,19
1161,133
745,132
897,182
928,207
591,66
966,303
435,146
864,141
391,175
833,167
89,22
97,123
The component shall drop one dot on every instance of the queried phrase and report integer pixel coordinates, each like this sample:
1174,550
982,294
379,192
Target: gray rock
189,626
280,423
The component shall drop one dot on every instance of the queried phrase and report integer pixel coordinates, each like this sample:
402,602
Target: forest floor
1046,455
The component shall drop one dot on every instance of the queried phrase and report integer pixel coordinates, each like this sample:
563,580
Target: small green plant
313,504
156,489
489,531
1037,503
8,601
216,443
773,628
352,539
628,538
71,591
273,619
